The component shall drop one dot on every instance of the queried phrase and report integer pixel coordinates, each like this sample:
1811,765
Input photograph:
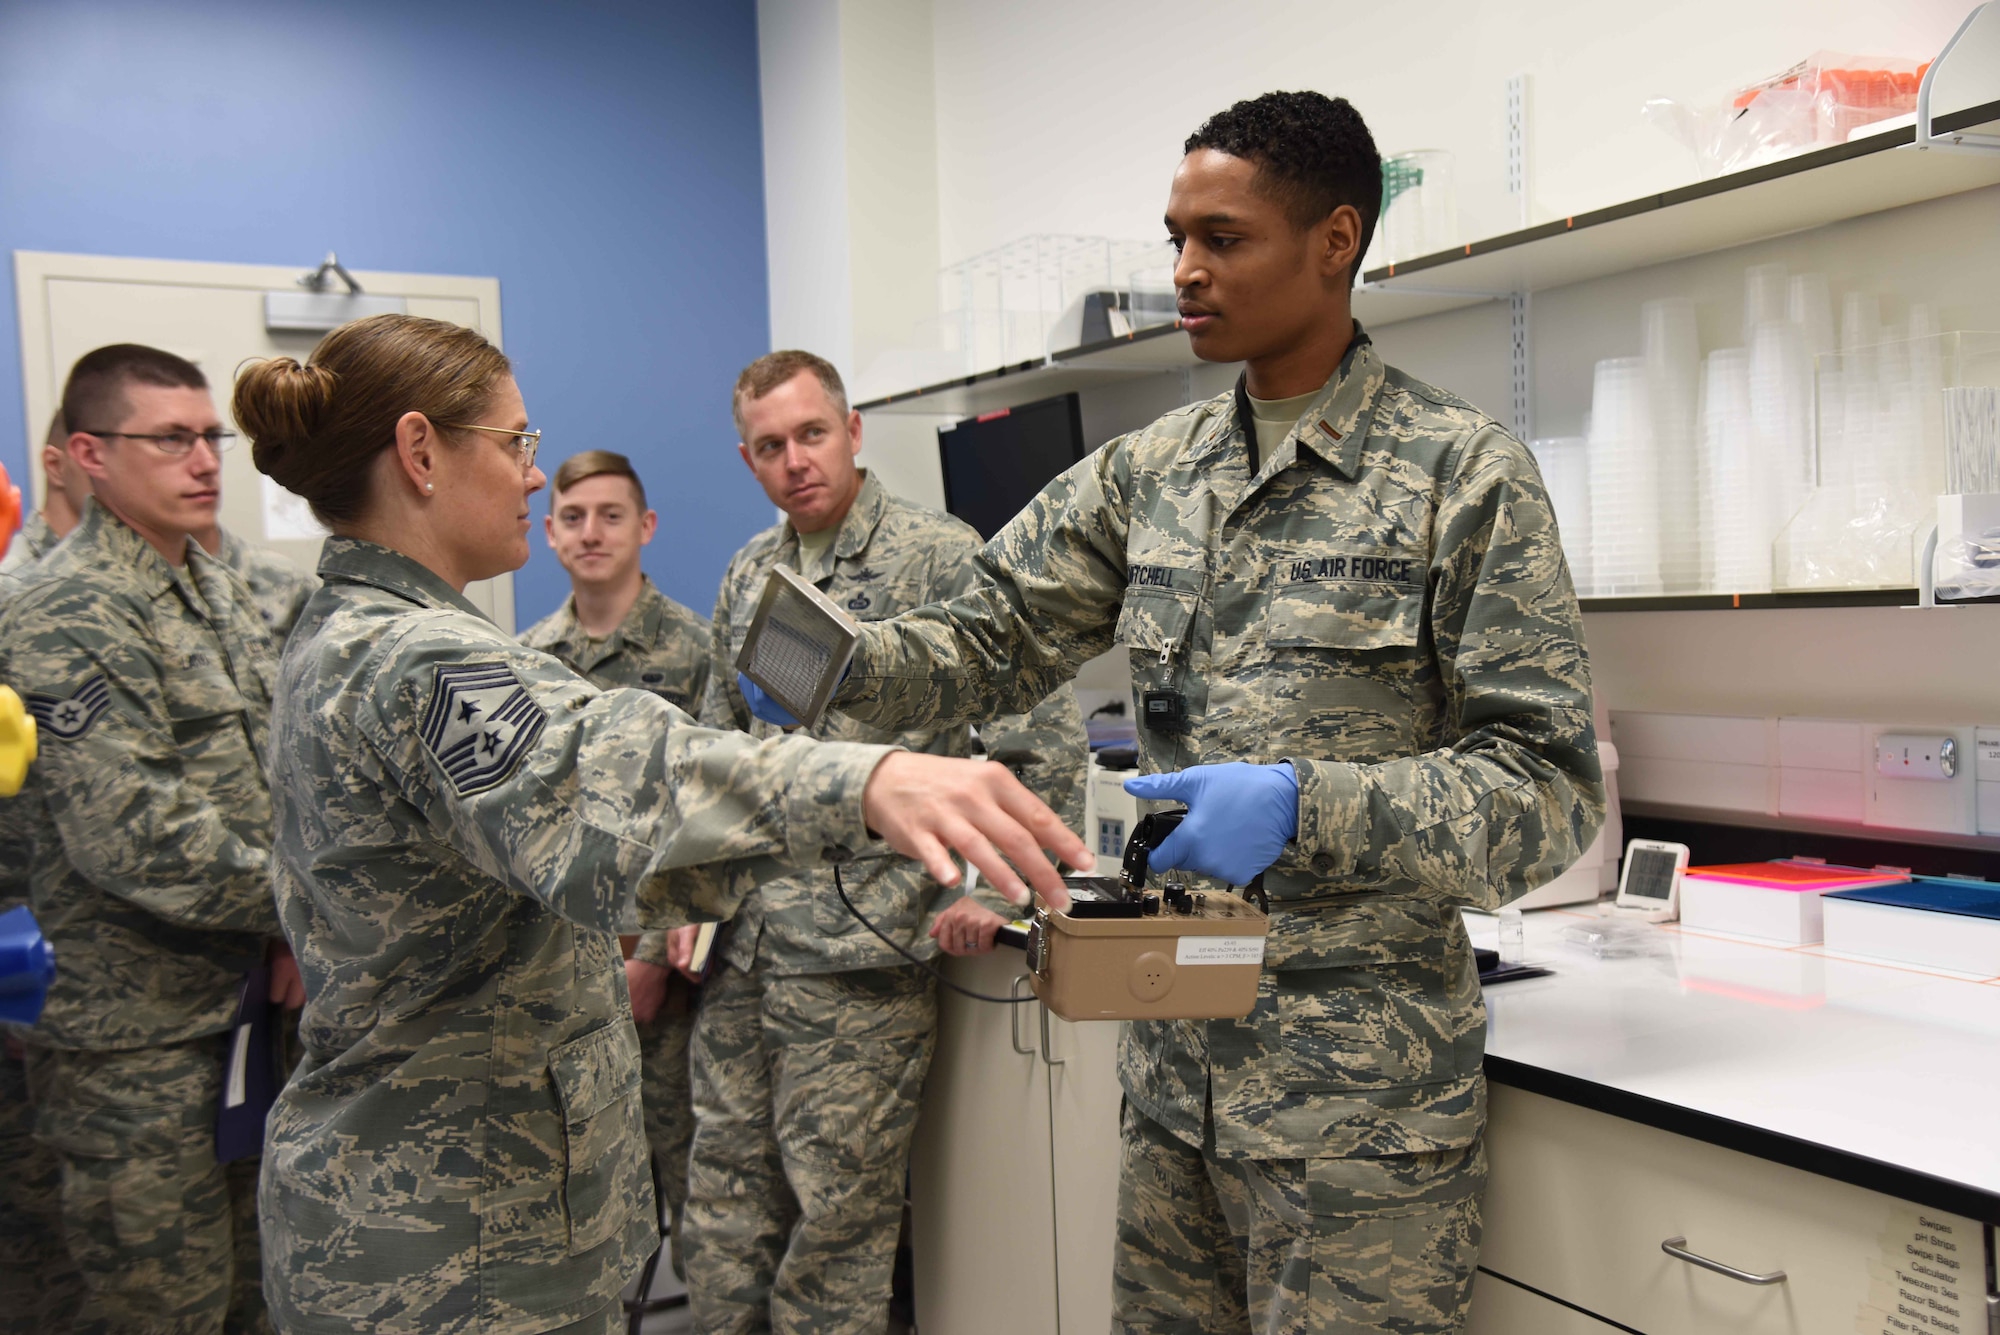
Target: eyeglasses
175,444
525,443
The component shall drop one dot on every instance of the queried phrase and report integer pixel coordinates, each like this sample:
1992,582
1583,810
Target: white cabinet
1501,1308
1580,1202
1084,1102
1014,1175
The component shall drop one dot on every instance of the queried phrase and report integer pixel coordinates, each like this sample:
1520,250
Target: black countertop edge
1889,1179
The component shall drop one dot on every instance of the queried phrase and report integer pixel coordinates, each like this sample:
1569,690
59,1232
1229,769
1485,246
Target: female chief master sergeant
462,824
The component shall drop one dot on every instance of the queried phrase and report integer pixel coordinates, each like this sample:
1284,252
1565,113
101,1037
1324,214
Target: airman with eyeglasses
150,669
525,444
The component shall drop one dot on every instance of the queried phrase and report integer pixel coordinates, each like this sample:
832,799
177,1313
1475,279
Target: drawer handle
1677,1248
1014,1018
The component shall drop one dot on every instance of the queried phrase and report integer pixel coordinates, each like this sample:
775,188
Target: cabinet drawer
1579,1203
1500,1308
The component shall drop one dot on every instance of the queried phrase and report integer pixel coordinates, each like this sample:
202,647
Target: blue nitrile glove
1240,817
763,706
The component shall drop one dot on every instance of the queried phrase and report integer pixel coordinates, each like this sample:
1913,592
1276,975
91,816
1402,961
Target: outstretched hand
930,807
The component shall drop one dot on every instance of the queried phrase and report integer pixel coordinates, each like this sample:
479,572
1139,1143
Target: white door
213,315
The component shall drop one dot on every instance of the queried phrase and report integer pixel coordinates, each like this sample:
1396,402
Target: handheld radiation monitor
798,646
1650,887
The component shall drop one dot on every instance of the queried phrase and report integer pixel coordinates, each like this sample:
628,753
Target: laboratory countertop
1881,1075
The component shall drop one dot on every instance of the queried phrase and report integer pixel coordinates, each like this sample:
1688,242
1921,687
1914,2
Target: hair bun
281,406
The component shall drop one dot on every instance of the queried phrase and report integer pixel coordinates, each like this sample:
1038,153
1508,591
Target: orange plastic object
10,510
1797,875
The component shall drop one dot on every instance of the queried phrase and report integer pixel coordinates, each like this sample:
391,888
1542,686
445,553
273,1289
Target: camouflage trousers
1210,1246
805,1099
40,1288
165,1237
669,1104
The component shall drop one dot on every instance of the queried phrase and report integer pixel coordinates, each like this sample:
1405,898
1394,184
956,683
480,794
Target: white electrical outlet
1919,779
1986,742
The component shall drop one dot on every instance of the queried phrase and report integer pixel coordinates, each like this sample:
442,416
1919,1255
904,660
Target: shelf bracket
1522,362
1983,25
1517,146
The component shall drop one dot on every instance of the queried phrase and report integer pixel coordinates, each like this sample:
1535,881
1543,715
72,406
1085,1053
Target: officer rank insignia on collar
479,724
68,717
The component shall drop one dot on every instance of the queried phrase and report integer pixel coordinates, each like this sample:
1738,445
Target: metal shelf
1765,602
1828,185
1761,820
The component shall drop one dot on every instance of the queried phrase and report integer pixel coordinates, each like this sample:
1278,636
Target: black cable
925,965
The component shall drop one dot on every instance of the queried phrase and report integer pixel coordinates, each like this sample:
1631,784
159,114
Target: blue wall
602,160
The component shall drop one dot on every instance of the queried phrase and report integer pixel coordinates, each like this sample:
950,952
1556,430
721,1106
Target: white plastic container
1937,924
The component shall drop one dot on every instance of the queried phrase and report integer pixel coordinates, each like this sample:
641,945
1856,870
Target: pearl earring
429,487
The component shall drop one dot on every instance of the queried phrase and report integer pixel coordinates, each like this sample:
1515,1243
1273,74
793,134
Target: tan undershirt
812,544
1275,418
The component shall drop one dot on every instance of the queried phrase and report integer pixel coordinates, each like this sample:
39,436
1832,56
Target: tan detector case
1200,965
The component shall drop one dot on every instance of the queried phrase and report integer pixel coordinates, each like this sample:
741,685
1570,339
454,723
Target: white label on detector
1219,950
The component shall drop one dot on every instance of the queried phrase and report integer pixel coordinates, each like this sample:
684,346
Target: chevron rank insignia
479,724
68,717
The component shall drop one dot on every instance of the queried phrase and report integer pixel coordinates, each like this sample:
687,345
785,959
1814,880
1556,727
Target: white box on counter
1938,923
1774,901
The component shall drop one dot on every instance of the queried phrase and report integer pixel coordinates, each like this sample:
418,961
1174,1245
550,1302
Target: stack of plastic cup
1927,382
1624,482
1673,386
1766,296
1565,465
1809,305
1972,440
1739,531
1781,419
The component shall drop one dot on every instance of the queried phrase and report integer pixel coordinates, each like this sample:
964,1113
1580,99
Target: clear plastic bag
1821,100
1969,566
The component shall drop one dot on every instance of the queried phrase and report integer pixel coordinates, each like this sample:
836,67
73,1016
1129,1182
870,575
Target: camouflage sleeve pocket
604,1178
1154,625
1154,618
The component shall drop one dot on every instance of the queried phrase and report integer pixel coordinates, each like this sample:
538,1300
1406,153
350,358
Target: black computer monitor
995,463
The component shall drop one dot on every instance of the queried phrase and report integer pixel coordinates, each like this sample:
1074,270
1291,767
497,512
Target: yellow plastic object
17,742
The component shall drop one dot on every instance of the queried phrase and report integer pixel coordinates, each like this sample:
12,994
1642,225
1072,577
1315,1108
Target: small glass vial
1513,938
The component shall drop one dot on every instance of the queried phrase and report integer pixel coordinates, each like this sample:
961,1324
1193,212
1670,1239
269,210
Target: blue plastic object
1935,894
1240,817
27,967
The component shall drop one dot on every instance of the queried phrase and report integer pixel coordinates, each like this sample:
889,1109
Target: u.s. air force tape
479,723
65,718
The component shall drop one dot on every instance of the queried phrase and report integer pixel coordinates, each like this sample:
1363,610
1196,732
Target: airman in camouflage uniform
150,684
31,544
463,824
1384,605
64,489
278,589
661,647
1359,659
812,1044
40,1287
